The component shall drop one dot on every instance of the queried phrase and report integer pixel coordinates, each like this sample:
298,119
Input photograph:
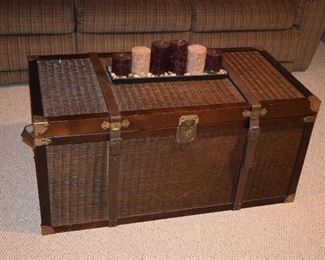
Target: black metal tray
166,78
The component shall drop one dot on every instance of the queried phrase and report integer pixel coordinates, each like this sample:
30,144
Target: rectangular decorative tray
217,76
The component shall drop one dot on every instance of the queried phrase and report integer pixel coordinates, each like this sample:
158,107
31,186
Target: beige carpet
285,231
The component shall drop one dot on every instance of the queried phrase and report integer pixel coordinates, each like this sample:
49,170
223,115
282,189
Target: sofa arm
310,23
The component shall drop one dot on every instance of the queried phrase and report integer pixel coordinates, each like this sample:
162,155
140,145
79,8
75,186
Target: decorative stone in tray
167,76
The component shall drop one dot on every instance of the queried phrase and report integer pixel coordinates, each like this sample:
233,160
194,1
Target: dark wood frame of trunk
86,128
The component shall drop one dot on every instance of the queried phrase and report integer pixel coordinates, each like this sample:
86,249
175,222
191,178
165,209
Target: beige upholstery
122,42
123,16
289,29
239,15
14,49
36,17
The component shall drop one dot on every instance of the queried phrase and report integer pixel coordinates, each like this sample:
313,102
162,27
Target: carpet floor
284,231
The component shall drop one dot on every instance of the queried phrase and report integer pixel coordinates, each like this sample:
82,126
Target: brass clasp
186,130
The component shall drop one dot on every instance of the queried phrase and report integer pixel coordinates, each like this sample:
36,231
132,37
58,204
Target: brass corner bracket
290,198
309,119
47,230
314,103
40,125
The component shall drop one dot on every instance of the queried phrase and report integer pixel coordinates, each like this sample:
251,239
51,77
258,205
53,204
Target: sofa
289,29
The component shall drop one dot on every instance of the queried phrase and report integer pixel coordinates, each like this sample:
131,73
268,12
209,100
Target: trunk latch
186,130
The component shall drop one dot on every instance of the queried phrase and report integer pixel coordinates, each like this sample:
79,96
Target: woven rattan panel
159,175
77,175
175,94
70,87
276,154
263,79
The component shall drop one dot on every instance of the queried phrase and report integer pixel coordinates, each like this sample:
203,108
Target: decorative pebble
166,74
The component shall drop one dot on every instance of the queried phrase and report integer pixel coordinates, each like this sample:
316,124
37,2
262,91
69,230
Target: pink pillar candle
196,59
141,60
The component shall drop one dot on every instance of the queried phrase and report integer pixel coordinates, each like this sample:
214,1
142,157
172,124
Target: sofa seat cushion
36,17
239,15
123,16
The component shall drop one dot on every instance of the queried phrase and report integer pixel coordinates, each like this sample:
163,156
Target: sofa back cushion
36,17
239,15
124,16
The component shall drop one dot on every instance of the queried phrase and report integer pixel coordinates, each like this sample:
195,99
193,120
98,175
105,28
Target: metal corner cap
314,103
47,230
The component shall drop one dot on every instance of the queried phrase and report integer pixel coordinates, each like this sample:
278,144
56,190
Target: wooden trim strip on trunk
287,108
48,230
164,215
252,135
300,158
40,158
35,89
261,202
176,213
166,118
115,143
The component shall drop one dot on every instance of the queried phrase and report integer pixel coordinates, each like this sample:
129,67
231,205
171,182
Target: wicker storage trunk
110,154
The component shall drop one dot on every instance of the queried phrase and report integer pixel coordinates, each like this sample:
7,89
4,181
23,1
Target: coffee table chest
109,154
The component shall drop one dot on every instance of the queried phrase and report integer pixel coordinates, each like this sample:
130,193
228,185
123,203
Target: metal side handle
28,136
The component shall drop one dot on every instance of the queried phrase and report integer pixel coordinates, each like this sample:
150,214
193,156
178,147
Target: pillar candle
178,57
196,59
140,60
213,60
160,57
121,64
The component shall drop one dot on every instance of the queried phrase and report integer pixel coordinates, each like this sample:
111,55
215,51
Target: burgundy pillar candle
121,64
160,57
178,58
213,60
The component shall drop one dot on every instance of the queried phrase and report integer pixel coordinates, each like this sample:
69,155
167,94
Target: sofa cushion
14,49
36,17
120,42
123,16
238,15
281,44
